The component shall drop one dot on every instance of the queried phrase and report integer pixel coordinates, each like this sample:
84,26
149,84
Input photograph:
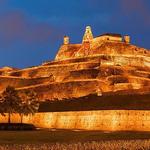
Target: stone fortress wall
47,71
105,63
76,75
105,120
108,43
107,38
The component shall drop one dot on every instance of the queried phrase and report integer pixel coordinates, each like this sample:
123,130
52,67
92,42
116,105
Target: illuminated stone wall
111,120
53,71
107,38
74,78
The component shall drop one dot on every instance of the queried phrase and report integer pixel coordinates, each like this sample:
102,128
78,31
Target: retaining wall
107,120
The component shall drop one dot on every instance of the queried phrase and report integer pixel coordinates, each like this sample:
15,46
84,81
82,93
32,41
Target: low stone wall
106,120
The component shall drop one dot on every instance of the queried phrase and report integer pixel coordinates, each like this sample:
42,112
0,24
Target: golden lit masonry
108,63
107,75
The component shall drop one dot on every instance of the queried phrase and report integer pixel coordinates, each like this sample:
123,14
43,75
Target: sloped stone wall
106,120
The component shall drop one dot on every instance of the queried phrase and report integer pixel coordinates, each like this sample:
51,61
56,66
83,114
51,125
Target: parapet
110,37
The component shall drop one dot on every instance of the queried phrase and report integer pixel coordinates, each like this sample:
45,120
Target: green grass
66,136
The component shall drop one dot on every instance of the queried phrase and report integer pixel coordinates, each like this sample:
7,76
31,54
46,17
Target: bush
16,126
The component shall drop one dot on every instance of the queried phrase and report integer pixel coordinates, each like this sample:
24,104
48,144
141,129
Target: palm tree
30,104
10,101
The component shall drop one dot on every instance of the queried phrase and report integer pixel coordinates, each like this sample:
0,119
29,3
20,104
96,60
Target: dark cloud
134,5
138,8
34,30
15,26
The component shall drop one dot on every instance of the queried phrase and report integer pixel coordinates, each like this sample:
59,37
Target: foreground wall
111,120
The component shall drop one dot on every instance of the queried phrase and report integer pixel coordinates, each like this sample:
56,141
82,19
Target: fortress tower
66,40
127,39
88,36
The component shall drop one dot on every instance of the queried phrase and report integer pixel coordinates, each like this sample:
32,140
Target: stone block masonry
105,120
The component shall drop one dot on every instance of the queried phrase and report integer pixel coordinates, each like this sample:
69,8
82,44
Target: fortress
108,63
102,83
89,43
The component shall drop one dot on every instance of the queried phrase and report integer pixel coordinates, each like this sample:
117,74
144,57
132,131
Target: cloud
15,26
2,1
138,8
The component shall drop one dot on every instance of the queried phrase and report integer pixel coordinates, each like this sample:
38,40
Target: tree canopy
24,103
30,104
11,102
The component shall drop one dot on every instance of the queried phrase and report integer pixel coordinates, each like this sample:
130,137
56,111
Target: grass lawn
66,136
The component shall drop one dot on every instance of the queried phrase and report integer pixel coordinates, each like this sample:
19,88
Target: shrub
16,126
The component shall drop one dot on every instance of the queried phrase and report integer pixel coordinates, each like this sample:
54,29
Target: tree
11,101
29,105
1,106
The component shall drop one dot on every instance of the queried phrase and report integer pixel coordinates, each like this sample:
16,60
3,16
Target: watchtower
66,40
88,36
127,39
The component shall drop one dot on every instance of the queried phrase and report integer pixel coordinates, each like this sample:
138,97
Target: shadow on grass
66,136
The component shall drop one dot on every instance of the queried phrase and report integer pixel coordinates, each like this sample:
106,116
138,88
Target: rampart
105,120
72,65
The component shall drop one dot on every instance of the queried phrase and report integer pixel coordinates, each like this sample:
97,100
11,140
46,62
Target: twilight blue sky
31,31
